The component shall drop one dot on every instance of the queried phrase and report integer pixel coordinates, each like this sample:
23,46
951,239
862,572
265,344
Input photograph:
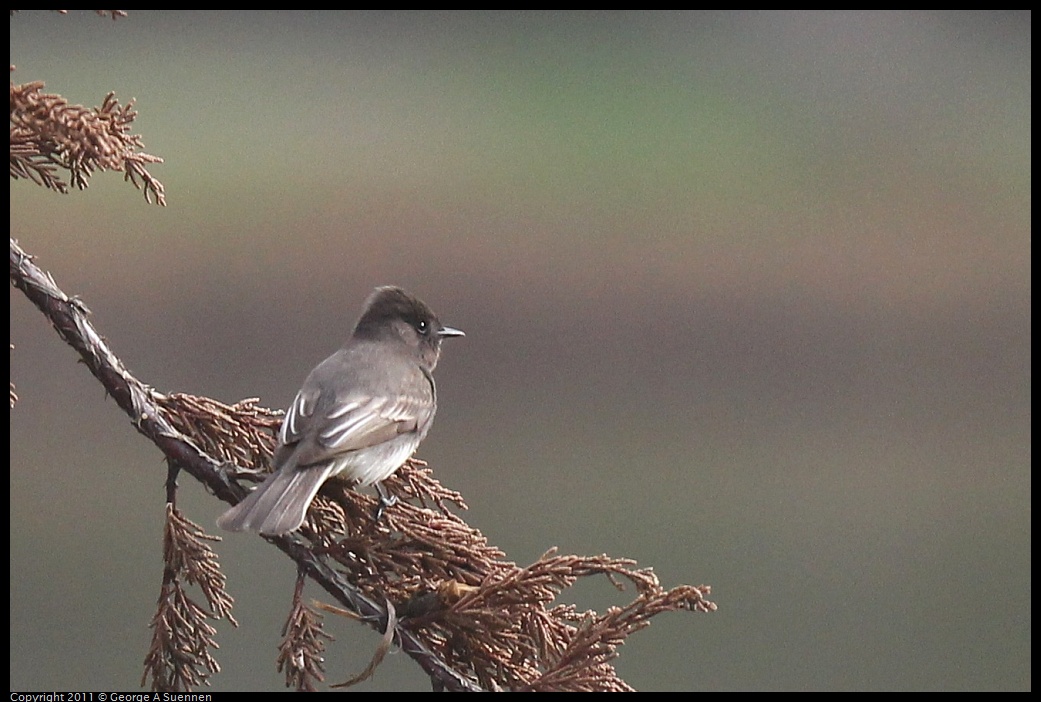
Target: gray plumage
360,414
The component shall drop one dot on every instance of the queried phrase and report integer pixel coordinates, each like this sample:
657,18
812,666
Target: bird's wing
349,423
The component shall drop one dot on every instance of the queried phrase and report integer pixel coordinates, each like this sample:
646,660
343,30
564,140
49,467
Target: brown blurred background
747,298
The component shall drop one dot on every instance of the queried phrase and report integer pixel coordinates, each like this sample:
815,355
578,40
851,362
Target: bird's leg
386,500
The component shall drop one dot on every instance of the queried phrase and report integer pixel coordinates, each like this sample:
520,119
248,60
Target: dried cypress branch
303,643
242,433
180,658
70,318
48,134
471,618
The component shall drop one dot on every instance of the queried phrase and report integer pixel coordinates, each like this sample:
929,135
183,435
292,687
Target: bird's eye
422,326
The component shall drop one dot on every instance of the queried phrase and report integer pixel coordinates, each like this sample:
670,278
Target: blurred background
746,295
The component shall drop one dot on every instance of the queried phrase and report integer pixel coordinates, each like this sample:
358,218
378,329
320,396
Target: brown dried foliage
486,617
300,654
48,134
469,616
179,658
242,433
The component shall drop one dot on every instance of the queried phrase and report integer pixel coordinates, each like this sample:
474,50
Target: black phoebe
360,414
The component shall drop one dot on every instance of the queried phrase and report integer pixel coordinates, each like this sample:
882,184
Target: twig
70,319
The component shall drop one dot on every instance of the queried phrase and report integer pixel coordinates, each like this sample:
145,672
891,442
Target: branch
470,618
47,134
70,319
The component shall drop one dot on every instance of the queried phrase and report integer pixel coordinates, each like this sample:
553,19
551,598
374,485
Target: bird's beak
449,331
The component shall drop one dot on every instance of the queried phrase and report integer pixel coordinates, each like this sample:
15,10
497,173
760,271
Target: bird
360,414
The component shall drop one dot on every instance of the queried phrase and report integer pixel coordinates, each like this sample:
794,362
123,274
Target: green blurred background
747,298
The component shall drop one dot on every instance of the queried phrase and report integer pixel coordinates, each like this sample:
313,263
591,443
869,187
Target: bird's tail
280,504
